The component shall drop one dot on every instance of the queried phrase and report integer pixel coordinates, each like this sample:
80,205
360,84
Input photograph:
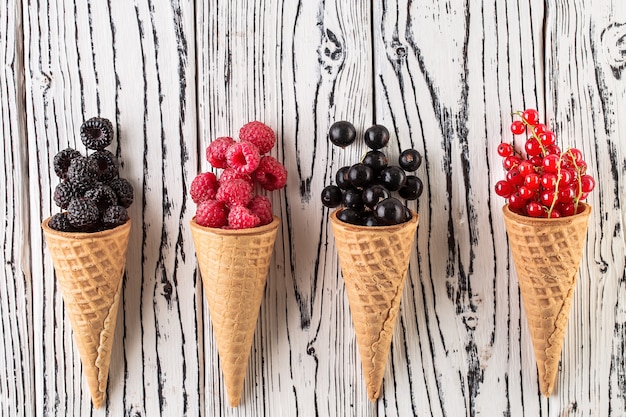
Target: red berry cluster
230,201
543,181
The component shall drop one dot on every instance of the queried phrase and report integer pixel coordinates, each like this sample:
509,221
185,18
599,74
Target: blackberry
62,161
107,165
83,214
61,223
64,193
115,216
96,133
82,173
124,191
103,196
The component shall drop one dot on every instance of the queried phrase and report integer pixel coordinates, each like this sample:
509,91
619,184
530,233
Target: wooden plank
134,64
17,393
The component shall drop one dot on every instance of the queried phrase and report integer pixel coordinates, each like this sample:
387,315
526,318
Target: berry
376,137
124,191
204,187
216,151
587,183
505,149
526,168
115,216
64,193
230,174
360,175
349,215
534,209
504,188
353,198
566,195
341,178
515,177
342,133
518,127
83,213
526,193
376,160
259,134
551,163
62,161
235,192
212,213
532,181
243,157
241,217
531,116
540,128
547,138
533,147
516,201
261,206
107,165
82,173
271,174
390,211
331,196
373,194
412,189
393,178
370,220
103,196
410,160
61,223
511,161
548,181
96,133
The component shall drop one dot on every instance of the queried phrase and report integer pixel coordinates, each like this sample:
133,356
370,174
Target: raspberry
261,206
235,192
61,223
243,157
204,187
260,134
212,213
124,191
115,216
241,217
107,165
229,174
64,193
96,133
82,173
271,174
62,161
216,151
83,214
103,196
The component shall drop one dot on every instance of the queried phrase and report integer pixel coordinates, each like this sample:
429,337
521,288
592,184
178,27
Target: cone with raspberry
234,265
374,262
547,255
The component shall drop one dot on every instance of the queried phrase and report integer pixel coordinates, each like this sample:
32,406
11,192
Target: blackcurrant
410,160
370,220
373,194
331,196
342,133
349,216
412,188
393,178
376,137
341,178
376,160
360,175
390,211
353,199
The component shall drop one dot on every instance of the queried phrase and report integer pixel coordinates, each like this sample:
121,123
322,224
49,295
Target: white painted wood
443,76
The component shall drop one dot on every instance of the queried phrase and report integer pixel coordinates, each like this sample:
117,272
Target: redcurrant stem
578,179
532,130
556,187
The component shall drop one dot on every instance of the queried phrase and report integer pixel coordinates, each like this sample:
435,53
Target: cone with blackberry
546,222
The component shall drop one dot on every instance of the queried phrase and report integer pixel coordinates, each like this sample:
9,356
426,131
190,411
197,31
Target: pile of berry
543,181
231,201
366,189
91,192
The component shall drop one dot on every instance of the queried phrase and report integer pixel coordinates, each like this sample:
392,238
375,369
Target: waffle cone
234,266
89,269
547,255
374,262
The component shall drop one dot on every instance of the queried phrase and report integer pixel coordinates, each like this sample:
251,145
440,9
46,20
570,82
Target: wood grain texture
443,76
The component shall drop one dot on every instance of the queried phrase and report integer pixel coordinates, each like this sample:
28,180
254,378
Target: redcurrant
511,162
540,128
548,181
547,197
566,195
531,116
547,138
517,127
504,188
505,149
532,181
514,176
516,201
534,209
526,193
551,163
533,147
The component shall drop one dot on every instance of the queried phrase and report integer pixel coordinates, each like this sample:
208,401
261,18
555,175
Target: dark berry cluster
91,193
367,189
542,181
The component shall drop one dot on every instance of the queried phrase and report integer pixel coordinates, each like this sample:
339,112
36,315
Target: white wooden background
444,76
